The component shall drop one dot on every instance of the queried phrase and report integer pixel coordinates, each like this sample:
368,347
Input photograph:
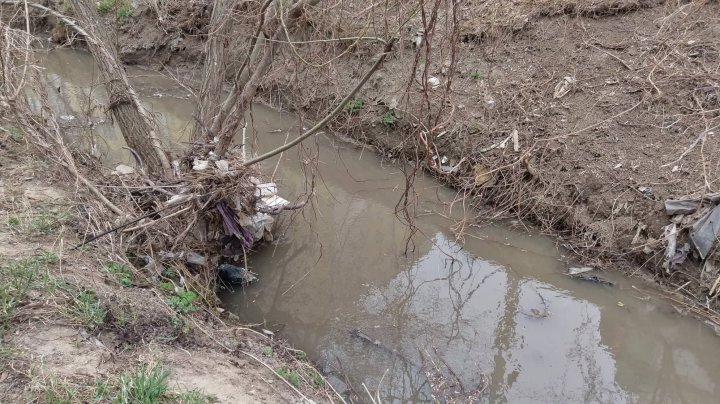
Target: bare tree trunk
239,100
208,100
133,119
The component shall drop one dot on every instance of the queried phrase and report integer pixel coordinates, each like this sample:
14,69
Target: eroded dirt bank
615,103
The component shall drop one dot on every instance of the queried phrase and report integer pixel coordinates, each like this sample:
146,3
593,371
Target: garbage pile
243,232
700,217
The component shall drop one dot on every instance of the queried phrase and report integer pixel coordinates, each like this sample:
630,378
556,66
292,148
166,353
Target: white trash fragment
516,140
675,169
578,270
272,202
489,101
123,169
670,234
200,165
434,82
223,166
194,258
266,189
564,86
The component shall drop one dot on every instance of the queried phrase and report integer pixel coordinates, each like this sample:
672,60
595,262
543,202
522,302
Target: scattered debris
593,278
564,86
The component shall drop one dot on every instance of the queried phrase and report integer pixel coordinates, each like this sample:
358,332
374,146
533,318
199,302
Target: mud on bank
615,104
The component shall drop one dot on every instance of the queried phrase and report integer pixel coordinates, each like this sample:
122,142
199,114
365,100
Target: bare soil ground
73,328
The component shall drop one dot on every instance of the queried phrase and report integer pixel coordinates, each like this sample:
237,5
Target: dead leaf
482,174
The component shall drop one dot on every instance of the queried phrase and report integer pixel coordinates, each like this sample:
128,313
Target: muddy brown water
493,312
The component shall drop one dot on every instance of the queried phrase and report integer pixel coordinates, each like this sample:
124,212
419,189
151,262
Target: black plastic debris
593,279
235,275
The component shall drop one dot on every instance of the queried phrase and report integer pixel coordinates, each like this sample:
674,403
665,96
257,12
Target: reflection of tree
504,337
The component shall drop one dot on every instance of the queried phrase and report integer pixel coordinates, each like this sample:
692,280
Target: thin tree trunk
244,95
133,119
208,102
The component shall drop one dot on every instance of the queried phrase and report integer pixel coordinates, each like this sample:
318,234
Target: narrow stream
495,312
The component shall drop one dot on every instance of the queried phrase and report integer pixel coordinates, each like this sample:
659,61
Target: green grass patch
122,8
194,396
121,272
293,376
389,118
183,301
47,221
167,286
144,386
354,106
87,308
17,278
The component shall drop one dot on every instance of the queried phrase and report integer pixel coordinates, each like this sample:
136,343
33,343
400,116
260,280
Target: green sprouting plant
290,375
101,390
389,118
167,285
194,396
183,301
315,377
143,386
267,350
15,134
125,11
475,75
301,355
169,272
87,308
121,272
106,6
47,221
16,280
14,221
354,106
47,257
